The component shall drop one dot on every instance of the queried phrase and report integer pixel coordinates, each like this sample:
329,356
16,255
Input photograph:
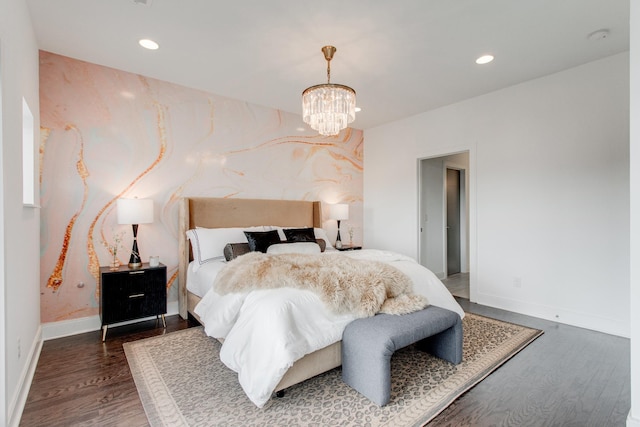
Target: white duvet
266,331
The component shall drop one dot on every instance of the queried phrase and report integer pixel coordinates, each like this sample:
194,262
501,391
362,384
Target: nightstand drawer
133,306
123,284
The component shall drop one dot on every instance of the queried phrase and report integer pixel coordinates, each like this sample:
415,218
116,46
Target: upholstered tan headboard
223,213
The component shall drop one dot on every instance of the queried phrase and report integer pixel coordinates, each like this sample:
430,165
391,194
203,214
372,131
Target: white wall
634,414
549,187
20,225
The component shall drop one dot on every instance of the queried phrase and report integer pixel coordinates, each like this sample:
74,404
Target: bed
223,213
212,213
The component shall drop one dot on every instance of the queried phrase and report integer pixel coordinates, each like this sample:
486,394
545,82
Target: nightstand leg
164,324
104,332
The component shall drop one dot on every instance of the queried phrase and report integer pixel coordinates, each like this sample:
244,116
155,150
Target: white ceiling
402,57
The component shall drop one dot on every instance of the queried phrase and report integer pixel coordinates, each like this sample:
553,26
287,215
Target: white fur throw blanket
345,285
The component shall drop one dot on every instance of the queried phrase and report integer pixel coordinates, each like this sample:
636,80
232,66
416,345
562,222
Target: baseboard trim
16,406
65,328
568,317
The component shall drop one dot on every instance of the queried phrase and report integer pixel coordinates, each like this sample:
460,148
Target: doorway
444,223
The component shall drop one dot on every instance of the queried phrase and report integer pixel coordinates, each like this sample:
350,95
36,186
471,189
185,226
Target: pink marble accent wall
108,133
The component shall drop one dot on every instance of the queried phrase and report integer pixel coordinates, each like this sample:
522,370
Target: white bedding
200,280
266,331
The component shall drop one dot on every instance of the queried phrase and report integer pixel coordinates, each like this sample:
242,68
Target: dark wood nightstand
128,294
349,248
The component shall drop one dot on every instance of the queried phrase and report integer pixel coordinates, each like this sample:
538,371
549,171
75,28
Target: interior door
453,221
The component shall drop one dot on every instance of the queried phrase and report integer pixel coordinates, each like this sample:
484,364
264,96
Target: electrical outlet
19,349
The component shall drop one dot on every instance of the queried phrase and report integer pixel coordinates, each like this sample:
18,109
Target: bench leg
368,370
446,345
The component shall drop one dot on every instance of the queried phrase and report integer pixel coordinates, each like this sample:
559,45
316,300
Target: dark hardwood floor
567,377
81,381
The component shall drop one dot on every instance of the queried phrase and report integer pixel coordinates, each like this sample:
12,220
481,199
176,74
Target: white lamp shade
135,211
339,211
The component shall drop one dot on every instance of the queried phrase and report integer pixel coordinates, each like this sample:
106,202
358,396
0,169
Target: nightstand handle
137,272
136,295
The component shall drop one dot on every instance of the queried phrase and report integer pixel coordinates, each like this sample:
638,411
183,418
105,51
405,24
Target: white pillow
321,234
207,244
294,248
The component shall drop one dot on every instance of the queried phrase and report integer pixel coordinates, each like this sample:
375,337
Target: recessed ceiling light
148,44
358,109
484,59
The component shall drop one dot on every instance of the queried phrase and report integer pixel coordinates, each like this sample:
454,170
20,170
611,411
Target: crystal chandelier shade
328,108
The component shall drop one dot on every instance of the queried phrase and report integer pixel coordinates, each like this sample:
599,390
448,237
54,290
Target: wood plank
80,380
569,377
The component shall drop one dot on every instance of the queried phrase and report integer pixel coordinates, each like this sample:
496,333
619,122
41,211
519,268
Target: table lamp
339,212
134,212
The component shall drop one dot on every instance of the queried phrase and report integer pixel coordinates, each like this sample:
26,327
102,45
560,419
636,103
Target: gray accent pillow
234,250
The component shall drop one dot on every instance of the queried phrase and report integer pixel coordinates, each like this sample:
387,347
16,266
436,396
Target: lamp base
134,259
338,239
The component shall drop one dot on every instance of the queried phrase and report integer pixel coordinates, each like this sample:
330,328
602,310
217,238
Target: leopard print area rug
181,382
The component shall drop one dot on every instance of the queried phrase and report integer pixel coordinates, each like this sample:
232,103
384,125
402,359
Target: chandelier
328,107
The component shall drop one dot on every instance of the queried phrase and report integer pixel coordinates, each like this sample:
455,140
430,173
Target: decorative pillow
300,234
294,248
207,244
234,250
261,240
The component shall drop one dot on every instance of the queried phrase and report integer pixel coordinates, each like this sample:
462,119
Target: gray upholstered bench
368,344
